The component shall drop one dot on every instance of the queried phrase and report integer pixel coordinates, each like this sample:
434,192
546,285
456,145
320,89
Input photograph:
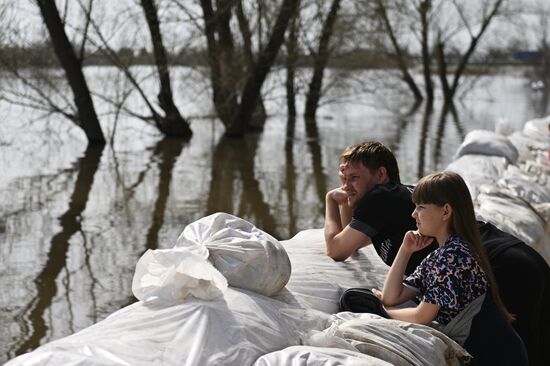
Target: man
373,207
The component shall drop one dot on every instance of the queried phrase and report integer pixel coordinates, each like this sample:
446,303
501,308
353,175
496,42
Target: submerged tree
476,28
86,118
255,80
234,107
172,123
320,60
435,29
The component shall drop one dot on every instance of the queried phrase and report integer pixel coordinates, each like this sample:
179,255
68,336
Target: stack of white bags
509,179
225,293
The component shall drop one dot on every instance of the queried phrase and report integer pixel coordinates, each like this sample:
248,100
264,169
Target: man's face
357,180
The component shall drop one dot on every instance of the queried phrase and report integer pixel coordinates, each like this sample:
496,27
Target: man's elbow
338,257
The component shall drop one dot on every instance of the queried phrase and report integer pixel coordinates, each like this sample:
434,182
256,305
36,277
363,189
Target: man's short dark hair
373,155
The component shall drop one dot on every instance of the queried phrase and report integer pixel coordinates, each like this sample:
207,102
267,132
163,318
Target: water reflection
290,172
32,317
166,152
426,121
234,188
314,145
401,120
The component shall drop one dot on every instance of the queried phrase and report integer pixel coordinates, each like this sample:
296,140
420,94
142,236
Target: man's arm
341,240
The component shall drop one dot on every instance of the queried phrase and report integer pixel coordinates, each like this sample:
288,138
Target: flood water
74,220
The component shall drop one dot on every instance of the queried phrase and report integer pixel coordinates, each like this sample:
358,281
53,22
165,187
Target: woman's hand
414,241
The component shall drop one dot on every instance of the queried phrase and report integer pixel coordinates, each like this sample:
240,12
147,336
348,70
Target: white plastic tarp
394,342
515,216
235,328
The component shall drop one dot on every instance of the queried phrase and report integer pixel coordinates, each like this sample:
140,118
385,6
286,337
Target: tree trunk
320,62
224,95
231,73
87,117
401,63
291,58
172,124
266,58
424,9
259,116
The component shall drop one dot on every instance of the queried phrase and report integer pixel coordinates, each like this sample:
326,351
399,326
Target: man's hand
339,196
414,241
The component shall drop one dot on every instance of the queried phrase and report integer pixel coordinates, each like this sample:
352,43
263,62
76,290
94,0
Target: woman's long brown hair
449,188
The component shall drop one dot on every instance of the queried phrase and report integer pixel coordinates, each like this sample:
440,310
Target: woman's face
431,220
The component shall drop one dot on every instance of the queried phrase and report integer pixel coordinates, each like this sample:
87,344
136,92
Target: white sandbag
538,130
523,185
481,142
318,356
527,147
515,216
235,329
247,257
394,341
539,171
170,275
478,169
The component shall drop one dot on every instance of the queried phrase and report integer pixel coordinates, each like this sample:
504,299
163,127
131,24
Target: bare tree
220,57
172,123
435,27
490,11
236,113
259,116
72,65
424,7
320,62
399,55
254,82
291,59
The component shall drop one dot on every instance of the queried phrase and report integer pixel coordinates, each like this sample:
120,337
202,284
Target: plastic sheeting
515,198
234,329
380,341
318,356
523,185
517,217
397,342
478,169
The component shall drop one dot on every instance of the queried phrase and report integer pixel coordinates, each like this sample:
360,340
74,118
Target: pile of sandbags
211,253
367,339
509,179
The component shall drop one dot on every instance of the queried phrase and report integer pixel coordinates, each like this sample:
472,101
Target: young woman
454,284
